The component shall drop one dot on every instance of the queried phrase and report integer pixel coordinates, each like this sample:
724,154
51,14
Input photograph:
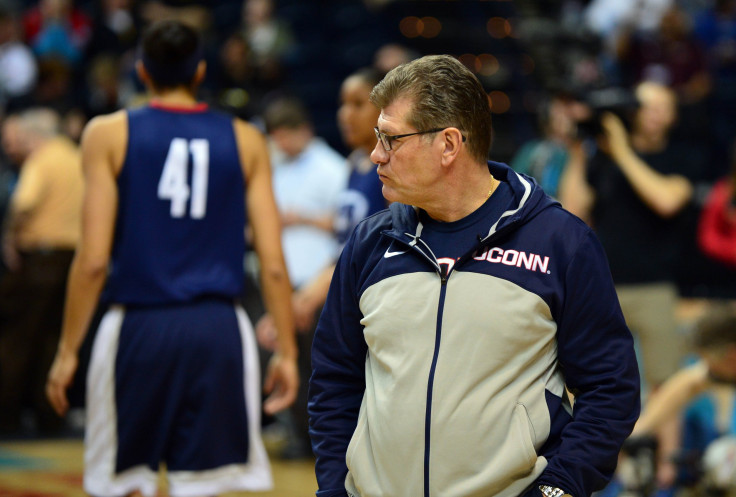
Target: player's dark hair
717,329
444,93
170,52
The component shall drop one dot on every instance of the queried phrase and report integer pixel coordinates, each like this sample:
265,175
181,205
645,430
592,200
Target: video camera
619,101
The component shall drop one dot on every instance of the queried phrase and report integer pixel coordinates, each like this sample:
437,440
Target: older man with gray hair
457,319
41,231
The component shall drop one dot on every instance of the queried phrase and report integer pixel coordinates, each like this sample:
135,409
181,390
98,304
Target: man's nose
379,154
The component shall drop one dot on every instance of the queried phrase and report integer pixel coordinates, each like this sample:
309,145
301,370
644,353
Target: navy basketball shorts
178,385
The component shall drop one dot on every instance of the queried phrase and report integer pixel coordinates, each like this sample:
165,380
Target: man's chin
389,194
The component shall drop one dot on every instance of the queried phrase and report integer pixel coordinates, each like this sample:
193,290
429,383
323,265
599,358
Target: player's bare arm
282,379
672,396
665,194
103,147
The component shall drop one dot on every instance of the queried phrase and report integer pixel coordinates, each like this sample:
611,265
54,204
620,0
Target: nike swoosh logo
391,254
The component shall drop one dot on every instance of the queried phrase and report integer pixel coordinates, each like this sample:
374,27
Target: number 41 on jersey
174,185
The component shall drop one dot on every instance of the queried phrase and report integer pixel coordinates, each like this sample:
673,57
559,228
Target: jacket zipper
430,381
438,335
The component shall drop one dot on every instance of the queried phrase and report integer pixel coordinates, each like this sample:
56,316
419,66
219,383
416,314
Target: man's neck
461,197
177,97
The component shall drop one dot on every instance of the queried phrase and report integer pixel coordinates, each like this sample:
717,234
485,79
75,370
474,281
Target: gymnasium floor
53,468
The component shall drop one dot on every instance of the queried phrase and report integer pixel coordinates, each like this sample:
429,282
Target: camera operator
632,189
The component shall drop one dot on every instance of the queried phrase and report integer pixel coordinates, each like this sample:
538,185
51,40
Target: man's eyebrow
382,124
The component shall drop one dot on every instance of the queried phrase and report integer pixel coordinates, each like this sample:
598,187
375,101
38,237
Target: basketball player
173,375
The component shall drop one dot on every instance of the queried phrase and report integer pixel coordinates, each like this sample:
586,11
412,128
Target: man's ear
452,143
142,73
200,73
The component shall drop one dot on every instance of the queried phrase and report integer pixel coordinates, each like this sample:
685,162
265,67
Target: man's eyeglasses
386,140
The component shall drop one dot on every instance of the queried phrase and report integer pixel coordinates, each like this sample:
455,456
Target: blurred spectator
238,88
9,166
104,83
72,124
613,18
12,145
269,38
392,55
56,84
716,30
703,394
672,56
669,55
361,197
191,12
631,190
308,177
544,159
615,22
18,69
356,118
115,28
56,29
717,225
363,194
41,232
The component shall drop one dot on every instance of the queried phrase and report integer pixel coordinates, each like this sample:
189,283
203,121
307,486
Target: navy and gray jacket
443,380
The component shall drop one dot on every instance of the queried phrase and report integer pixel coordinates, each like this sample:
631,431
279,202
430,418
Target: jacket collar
528,200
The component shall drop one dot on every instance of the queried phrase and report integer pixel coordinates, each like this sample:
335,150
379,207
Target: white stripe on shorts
100,439
101,435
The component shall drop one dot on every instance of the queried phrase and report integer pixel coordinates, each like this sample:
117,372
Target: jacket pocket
523,431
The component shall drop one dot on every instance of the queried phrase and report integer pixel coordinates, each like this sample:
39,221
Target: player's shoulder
105,138
101,126
245,129
250,141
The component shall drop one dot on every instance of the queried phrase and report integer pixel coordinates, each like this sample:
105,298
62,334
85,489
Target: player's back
179,233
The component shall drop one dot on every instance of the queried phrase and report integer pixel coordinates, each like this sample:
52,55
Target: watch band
549,491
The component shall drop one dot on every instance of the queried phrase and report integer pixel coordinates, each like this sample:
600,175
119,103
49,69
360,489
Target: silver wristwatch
549,491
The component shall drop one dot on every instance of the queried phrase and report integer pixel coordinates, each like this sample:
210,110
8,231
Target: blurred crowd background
77,57
552,70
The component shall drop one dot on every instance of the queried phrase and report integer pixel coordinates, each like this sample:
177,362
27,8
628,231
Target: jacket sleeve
596,354
338,377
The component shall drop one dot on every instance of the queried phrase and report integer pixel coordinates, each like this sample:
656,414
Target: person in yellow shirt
41,231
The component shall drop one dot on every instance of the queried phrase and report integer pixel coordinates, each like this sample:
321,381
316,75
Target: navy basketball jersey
181,211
